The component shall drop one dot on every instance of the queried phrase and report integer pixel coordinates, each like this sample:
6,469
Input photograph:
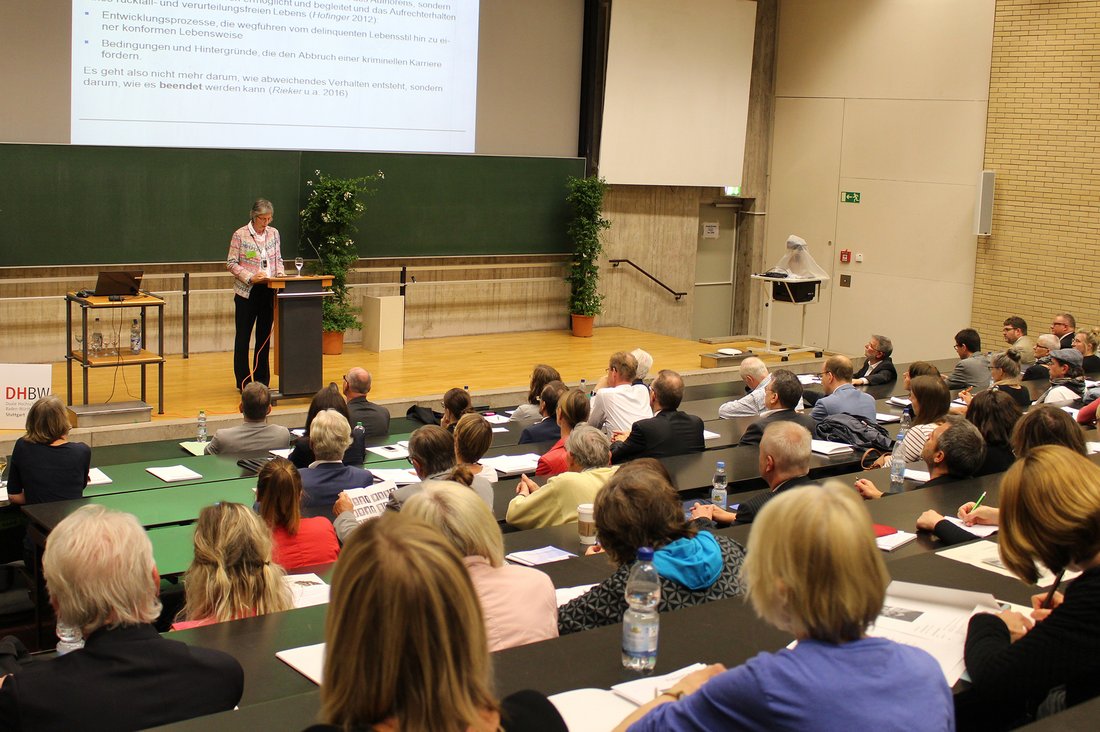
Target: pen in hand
1053,588
977,503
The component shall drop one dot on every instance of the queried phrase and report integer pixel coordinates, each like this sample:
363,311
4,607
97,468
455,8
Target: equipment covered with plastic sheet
801,272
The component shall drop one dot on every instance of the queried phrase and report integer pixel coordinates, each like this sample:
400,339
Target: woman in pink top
232,575
299,542
572,410
518,603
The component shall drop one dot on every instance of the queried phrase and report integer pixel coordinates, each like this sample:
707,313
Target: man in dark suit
1064,325
878,368
327,476
668,432
781,396
547,430
375,418
127,676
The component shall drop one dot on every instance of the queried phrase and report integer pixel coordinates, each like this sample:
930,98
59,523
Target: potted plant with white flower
327,224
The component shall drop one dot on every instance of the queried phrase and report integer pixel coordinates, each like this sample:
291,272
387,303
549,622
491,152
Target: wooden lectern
298,362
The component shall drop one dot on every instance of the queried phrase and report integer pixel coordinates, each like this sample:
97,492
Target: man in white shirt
755,375
621,403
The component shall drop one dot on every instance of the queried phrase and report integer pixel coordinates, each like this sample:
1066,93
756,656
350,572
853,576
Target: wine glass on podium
298,264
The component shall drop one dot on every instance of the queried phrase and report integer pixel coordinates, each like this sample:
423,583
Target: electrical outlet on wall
846,280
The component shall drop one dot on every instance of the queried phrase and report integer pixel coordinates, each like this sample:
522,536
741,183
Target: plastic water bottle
584,386
135,338
897,459
97,339
718,485
641,623
359,430
202,436
69,638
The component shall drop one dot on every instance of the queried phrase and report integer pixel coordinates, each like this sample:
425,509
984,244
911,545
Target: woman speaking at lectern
254,256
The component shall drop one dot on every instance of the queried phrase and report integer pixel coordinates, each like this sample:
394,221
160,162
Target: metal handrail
617,262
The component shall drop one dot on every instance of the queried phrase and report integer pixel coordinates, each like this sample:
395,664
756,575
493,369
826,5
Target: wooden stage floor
422,369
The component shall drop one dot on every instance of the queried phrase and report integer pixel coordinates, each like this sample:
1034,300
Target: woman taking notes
825,586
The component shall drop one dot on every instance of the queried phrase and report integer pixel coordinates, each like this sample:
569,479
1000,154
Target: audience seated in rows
784,462
954,451
623,401
1088,342
432,454
640,508
668,432
572,410
45,466
782,394
456,402
972,370
326,476
644,363
422,661
546,430
1019,342
529,413
1050,500
473,436
840,396
232,574
255,434
1063,326
919,368
298,542
101,577
1004,369
1067,379
1044,346
589,458
995,414
878,367
930,401
328,398
374,417
519,603
825,587
754,375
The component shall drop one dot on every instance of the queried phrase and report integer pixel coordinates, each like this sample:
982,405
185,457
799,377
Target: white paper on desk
641,691
298,432
309,661
591,710
174,473
98,477
194,447
979,530
890,542
1071,411
390,452
4,492
566,594
307,589
398,476
500,429
918,476
535,557
984,555
825,447
496,418
934,619
511,465
958,403
370,502
887,418
1093,447
282,452
899,401
809,379
708,435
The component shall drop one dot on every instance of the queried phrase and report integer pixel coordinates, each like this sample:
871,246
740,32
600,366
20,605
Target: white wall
887,98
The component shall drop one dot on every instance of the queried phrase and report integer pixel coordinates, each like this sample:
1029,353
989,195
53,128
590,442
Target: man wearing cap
1067,377
1064,325
1015,334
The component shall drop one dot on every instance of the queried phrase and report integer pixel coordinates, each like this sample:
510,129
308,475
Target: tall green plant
586,198
327,223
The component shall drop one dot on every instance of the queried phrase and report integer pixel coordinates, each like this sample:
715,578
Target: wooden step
98,415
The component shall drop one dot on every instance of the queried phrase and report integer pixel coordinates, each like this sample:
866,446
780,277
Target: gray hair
329,435
359,380
1048,341
590,447
260,207
788,443
885,345
962,446
645,363
754,367
99,570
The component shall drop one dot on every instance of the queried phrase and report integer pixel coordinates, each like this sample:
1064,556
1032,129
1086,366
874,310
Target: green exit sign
849,196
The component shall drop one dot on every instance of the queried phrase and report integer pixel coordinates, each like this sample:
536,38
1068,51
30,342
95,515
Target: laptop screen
118,283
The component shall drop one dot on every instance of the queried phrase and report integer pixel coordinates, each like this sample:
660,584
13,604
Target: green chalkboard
63,204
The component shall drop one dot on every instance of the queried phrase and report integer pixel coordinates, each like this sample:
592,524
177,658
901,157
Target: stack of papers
887,418
890,542
984,555
511,465
397,476
396,451
492,418
98,477
535,557
174,473
900,401
824,447
917,476
309,661
307,589
194,447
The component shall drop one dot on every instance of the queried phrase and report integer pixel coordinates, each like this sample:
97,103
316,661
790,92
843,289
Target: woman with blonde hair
825,587
298,542
45,466
422,661
1050,516
232,575
519,602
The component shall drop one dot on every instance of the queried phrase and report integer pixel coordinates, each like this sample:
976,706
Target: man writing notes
616,407
254,256
878,368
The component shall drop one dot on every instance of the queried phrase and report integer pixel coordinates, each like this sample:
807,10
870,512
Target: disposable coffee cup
586,524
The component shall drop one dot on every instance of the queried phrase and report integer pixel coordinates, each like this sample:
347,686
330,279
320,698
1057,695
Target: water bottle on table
202,434
135,338
641,622
897,458
97,339
718,485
